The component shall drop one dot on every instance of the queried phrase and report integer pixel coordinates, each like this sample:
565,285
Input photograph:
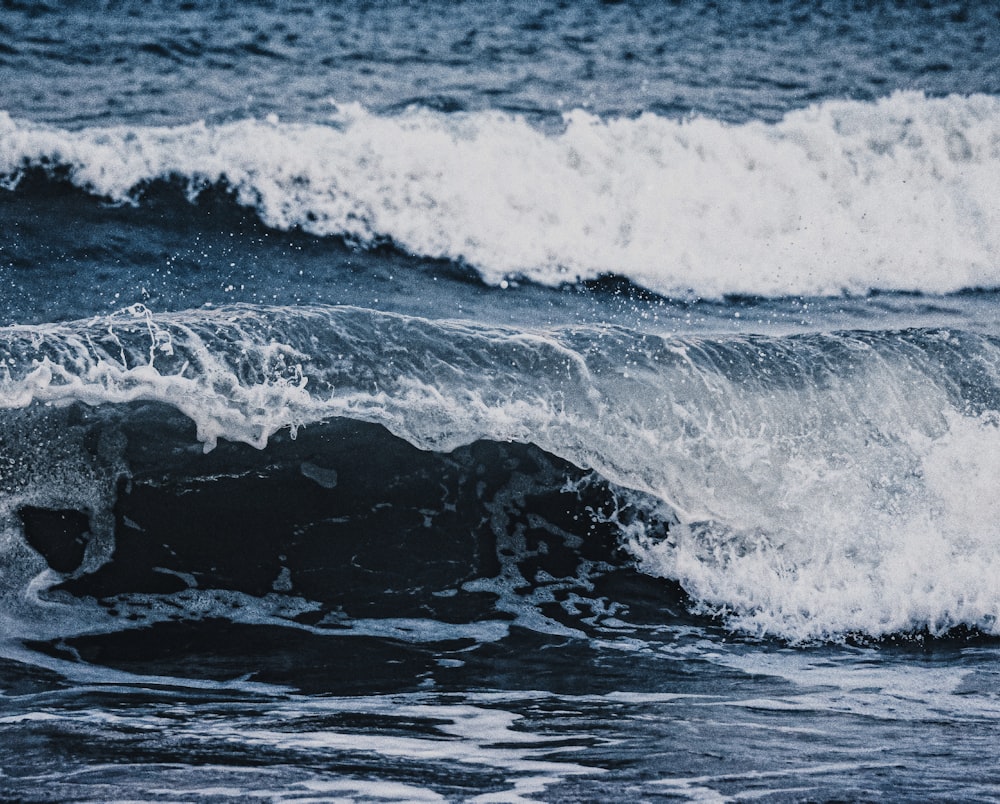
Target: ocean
466,401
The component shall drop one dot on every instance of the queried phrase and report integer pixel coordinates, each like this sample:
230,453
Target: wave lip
842,196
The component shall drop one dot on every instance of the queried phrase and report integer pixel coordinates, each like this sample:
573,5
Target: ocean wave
818,485
839,197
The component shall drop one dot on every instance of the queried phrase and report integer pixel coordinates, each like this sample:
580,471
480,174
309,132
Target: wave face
807,486
840,197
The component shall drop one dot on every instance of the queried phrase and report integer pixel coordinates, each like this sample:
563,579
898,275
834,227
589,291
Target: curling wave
808,486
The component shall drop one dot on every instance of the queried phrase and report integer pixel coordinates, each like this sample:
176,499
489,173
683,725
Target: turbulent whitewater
841,197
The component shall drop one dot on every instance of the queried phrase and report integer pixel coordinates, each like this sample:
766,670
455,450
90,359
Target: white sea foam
899,194
855,549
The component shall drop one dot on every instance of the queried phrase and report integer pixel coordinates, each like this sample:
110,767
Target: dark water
499,402
101,63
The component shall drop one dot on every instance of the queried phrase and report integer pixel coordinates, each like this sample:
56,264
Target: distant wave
844,196
818,484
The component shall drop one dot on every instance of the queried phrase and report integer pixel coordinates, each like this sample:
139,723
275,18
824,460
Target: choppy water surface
548,402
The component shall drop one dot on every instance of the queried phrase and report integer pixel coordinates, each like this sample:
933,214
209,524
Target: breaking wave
843,196
807,486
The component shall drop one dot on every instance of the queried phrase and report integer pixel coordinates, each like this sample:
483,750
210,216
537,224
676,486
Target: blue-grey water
477,401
